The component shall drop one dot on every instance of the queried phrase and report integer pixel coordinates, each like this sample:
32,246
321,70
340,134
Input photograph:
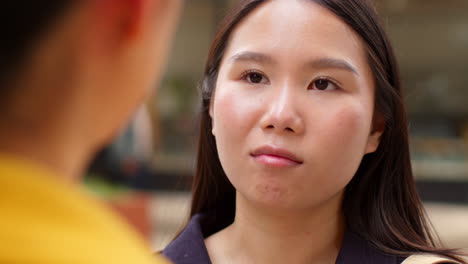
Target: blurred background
146,173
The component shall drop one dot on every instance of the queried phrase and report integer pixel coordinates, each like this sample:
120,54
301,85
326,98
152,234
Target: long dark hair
381,203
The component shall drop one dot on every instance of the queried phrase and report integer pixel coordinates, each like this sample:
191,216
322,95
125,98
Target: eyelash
246,73
330,80
245,76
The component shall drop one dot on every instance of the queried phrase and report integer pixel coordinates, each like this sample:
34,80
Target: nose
282,113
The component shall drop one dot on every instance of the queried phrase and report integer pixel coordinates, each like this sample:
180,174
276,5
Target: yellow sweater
43,220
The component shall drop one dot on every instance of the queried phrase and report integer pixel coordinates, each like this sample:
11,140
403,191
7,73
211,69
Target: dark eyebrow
332,63
251,56
316,63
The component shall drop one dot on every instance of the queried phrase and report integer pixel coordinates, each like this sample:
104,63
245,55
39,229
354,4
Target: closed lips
276,152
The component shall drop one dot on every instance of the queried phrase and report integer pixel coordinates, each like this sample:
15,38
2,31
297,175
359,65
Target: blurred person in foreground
72,73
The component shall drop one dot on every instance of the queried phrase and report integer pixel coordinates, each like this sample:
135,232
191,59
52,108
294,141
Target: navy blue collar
189,248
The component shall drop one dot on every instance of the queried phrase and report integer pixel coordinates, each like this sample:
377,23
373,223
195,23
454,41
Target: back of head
23,23
75,71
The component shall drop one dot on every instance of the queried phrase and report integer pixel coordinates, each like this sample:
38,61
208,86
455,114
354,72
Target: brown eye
255,77
321,84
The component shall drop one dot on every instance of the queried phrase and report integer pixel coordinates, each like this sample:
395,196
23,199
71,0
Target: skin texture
268,94
84,78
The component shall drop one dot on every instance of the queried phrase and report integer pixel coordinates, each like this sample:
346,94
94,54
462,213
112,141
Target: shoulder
65,219
189,246
426,258
355,250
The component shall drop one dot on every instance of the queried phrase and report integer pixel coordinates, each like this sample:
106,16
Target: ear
116,22
378,127
210,112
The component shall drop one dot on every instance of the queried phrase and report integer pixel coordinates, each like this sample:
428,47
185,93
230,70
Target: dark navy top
189,248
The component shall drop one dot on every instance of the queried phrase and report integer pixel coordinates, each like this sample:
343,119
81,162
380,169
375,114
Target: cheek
233,119
233,113
352,126
338,140
227,116
344,141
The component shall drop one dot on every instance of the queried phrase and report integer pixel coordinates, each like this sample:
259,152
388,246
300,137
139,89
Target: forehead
296,30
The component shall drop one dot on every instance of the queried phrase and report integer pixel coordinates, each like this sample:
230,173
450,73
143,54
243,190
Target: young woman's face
293,107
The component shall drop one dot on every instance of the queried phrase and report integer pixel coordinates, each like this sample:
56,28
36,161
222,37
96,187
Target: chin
272,196
279,199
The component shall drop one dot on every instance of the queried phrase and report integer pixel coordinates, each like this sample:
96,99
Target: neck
61,150
259,236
